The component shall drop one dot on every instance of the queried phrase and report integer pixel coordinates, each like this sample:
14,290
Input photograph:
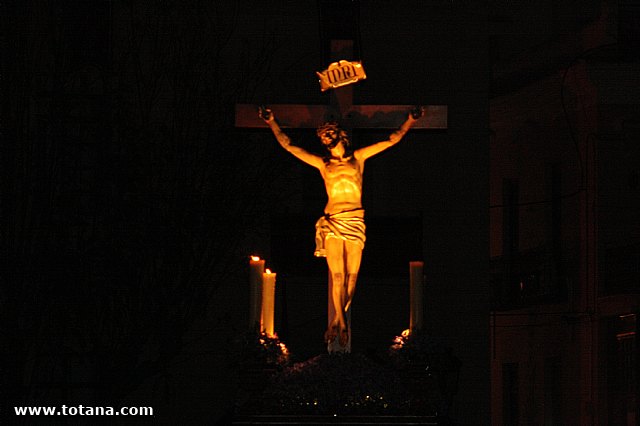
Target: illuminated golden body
342,174
343,181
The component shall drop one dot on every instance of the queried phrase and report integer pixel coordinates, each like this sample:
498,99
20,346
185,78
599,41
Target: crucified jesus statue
340,233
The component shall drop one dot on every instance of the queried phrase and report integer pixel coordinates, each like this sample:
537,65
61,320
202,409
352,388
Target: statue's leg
335,261
353,253
332,327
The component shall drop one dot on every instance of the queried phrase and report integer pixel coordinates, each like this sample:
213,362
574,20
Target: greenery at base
418,376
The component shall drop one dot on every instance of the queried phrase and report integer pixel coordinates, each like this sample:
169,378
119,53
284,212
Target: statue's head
331,134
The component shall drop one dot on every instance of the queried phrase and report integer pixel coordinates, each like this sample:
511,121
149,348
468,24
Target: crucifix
341,109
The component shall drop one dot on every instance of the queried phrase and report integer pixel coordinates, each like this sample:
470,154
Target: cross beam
342,109
356,117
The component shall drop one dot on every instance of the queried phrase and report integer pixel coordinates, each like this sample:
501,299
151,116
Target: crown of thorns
332,126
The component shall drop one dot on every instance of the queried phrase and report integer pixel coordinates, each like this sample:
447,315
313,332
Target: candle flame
256,258
268,271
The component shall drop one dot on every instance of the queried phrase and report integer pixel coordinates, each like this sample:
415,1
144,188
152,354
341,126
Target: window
510,220
552,391
510,411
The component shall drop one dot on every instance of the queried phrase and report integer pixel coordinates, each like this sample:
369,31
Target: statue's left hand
417,112
265,113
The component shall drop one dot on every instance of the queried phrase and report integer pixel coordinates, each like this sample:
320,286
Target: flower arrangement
429,368
415,347
341,384
417,377
261,349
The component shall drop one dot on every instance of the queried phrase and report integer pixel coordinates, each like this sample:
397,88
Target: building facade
565,219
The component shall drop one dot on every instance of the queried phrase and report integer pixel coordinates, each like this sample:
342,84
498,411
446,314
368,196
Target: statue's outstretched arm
269,118
394,138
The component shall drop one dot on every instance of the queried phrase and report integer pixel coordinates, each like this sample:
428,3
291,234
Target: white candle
416,295
256,269
268,301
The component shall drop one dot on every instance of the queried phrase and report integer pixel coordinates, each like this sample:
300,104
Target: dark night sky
135,201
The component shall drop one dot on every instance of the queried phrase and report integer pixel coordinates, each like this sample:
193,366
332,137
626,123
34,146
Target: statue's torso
343,182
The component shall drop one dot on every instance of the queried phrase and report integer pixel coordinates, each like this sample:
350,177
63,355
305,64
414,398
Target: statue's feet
344,337
331,334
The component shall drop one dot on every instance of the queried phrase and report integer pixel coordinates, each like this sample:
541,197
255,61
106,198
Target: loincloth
347,225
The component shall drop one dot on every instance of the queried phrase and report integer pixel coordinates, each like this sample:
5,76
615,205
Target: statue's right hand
417,112
265,113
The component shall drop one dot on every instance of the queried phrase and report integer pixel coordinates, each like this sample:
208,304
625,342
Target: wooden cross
342,109
349,116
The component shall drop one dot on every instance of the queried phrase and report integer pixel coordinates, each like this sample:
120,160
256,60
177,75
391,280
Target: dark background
133,203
